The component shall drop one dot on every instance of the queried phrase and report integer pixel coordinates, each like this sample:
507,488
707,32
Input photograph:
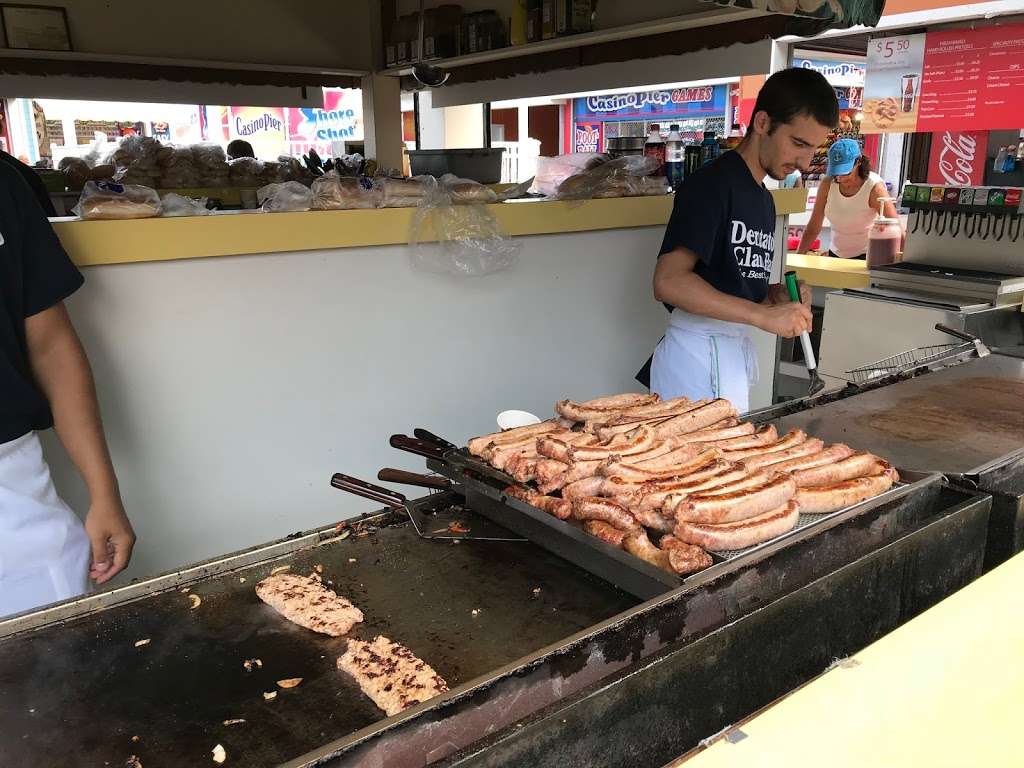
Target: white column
432,119
523,114
382,120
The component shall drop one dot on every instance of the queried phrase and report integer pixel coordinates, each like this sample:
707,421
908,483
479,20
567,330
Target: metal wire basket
910,361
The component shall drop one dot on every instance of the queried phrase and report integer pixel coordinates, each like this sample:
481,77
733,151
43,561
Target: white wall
232,388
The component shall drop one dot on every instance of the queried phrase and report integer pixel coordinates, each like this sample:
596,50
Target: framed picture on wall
35,27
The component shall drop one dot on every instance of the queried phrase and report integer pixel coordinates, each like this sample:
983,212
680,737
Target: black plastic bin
483,165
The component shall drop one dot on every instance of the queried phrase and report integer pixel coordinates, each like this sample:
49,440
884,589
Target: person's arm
62,372
677,284
888,207
813,228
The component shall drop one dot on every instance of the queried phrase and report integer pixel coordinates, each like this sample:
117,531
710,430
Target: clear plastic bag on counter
552,171
332,192
173,204
615,178
466,191
408,193
284,196
469,240
112,200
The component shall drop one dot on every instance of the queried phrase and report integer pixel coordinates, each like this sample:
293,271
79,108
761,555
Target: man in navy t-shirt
716,259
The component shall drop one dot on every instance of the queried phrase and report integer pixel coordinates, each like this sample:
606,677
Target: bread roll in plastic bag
112,200
173,204
332,192
284,196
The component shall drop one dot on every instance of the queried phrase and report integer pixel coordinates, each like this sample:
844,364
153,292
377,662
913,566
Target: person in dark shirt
46,554
715,262
34,182
239,148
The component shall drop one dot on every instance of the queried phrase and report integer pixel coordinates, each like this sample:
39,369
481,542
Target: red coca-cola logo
956,159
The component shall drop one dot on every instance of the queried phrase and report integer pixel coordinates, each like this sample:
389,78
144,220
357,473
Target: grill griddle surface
955,421
76,694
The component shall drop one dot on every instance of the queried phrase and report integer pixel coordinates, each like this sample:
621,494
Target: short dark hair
797,91
240,148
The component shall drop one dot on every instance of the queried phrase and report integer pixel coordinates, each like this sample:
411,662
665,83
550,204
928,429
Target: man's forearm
62,371
691,293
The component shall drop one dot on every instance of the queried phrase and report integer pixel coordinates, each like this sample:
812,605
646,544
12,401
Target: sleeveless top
851,218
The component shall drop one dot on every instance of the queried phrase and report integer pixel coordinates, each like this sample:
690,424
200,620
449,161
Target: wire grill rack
911,360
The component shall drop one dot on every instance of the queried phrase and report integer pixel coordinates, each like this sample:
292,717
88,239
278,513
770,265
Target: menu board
949,80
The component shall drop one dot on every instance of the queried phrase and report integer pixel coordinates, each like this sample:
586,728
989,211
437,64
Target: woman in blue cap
849,198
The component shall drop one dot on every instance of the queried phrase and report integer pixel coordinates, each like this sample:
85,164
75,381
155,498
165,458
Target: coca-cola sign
958,158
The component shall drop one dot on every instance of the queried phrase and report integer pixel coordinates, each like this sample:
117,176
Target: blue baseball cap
841,157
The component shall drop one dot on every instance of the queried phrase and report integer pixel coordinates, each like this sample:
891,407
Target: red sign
958,159
972,79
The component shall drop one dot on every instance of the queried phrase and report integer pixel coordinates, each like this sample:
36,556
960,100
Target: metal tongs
979,346
421,521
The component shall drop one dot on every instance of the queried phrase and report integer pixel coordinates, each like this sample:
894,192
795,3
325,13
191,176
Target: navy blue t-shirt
35,274
728,220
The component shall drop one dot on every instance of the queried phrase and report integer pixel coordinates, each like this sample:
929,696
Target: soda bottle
654,147
674,157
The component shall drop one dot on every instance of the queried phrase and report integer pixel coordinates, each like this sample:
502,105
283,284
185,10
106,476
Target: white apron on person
44,551
705,358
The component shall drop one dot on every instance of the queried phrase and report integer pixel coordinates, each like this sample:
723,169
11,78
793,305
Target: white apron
705,358
44,551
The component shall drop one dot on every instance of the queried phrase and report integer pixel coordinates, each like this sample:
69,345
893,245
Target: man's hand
112,539
786,320
777,293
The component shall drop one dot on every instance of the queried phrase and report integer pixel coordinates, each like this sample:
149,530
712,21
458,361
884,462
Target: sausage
737,505
665,408
627,420
684,558
602,406
831,498
829,455
593,508
808,447
642,472
638,545
637,441
668,460
740,534
550,474
655,496
793,437
522,468
742,483
609,534
556,446
478,444
560,508
580,469
720,430
651,518
588,486
764,436
857,465
699,418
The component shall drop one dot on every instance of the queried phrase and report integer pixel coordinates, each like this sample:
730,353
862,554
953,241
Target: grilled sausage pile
689,472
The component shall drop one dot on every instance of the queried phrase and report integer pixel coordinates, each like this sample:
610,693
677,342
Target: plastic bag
332,192
246,172
552,171
615,178
466,191
111,200
469,241
408,193
172,204
286,196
